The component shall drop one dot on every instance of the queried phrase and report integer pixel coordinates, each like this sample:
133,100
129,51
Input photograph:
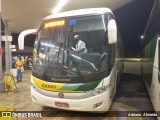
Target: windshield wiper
75,62
60,45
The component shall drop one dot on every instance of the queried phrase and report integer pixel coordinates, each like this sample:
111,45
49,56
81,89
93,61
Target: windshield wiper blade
60,45
73,59
53,59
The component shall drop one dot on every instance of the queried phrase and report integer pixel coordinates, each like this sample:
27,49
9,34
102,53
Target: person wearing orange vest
19,65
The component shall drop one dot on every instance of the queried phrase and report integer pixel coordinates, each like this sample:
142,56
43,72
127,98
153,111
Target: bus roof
79,12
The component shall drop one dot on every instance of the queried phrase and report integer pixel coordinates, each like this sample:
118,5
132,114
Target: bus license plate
60,104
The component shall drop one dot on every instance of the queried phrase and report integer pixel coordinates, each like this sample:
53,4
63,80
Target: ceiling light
142,37
60,4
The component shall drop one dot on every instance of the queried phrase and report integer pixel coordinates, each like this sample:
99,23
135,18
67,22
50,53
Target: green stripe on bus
151,47
81,86
150,54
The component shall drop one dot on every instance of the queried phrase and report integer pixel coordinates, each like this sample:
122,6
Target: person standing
80,45
20,69
13,63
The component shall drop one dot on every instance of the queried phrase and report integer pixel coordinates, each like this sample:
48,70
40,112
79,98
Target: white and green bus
84,81
151,56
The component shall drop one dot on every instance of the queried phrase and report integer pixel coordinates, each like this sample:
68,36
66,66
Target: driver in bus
80,45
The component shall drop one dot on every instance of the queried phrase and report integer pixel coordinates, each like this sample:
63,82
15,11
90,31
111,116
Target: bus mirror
22,35
112,31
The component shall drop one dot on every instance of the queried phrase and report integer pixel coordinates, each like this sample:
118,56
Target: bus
84,81
150,62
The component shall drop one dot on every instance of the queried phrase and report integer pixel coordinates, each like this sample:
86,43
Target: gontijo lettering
48,86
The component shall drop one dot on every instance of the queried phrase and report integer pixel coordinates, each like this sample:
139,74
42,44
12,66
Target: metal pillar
1,81
10,52
7,61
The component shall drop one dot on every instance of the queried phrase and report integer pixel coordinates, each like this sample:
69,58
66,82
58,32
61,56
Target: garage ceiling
28,14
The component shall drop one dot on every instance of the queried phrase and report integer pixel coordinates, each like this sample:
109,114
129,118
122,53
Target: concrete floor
131,96
132,91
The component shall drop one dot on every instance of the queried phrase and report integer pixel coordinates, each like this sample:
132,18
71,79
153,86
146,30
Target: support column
1,77
7,61
10,52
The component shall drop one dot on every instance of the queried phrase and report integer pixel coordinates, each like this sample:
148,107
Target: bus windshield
55,46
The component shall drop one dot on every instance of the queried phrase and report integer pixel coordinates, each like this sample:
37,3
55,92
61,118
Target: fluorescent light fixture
60,4
0,6
142,37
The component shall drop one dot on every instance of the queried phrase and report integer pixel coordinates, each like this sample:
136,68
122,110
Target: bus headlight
99,90
35,87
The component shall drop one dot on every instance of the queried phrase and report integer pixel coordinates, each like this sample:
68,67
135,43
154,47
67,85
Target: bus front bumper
98,103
